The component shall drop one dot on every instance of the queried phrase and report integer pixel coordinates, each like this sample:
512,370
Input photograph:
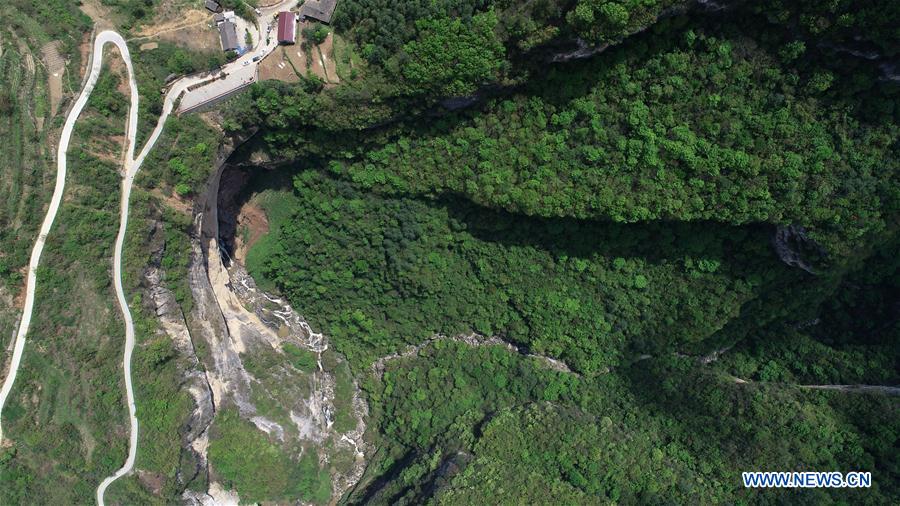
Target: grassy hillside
66,415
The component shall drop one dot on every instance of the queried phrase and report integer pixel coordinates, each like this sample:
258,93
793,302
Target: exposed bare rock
225,372
890,71
238,321
216,496
456,103
863,389
792,245
713,6
262,320
474,340
580,51
193,377
890,390
712,357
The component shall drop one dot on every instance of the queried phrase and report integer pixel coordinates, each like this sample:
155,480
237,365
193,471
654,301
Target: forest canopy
590,215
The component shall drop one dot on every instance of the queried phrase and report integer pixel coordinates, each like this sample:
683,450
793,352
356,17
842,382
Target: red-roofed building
287,24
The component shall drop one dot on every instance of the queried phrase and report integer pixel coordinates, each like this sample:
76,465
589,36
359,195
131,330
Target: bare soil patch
191,18
100,14
251,225
316,66
169,10
213,119
149,46
298,58
277,65
192,29
84,49
19,298
117,67
173,201
56,67
326,55
111,149
153,481
6,299
318,60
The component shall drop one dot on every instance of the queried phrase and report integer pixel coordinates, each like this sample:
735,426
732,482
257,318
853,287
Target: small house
228,34
213,6
218,18
319,10
287,25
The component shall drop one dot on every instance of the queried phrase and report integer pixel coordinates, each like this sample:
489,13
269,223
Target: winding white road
19,348
130,168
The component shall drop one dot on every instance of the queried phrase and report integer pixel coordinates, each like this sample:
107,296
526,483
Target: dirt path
864,389
191,18
56,67
853,389
475,341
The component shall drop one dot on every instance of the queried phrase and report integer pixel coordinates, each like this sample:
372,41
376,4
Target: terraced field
28,126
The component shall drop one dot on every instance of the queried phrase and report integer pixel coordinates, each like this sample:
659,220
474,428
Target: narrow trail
871,389
168,30
891,390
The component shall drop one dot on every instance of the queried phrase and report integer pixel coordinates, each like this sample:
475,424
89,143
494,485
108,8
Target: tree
6,104
316,34
614,14
453,59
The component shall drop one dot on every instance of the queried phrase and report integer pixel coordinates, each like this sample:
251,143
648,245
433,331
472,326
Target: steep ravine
193,375
238,322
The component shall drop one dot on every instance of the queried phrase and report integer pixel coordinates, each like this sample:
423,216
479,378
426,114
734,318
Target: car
246,63
257,58
258,12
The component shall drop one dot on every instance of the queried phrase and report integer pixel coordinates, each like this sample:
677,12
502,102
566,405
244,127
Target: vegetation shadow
654,241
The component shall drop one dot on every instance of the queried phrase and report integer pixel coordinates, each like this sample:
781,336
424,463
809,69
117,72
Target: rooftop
320,10
287,23
228,34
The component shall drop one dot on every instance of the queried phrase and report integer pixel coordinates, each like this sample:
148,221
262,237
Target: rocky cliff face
795,248
193,379
240,326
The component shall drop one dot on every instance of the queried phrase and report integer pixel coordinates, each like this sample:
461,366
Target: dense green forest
573,251
639,135
389,271
621,212
697,124
660,430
